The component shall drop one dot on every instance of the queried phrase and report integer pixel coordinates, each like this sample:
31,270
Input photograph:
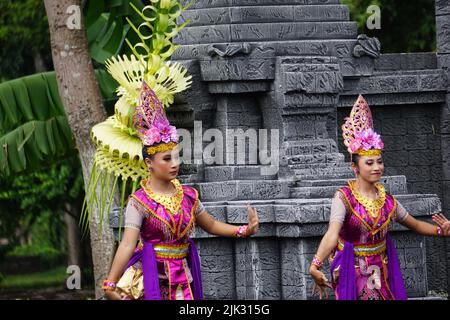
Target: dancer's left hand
442,222
253,221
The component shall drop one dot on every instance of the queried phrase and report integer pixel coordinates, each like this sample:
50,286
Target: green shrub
48,256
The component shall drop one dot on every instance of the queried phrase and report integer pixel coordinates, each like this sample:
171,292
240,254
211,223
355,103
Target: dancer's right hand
320,282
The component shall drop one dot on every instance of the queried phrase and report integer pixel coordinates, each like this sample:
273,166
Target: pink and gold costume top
167,224
365,227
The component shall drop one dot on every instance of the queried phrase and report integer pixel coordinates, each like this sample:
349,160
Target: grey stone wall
297,66
443,54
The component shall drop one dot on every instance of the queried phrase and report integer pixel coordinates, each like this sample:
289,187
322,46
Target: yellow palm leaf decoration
118,160
170,79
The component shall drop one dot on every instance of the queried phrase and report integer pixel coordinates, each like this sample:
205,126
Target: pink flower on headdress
366,140
152,136
163,126
355,145
173,134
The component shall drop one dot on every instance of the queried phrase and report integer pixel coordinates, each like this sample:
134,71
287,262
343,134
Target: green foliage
32,251
34,131
107,27
34,203
24,37
47,256
405,26
49,278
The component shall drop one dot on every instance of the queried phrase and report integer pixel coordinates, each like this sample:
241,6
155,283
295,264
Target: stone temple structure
298,66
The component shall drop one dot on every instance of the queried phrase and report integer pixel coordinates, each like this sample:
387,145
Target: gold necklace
171,202
373,207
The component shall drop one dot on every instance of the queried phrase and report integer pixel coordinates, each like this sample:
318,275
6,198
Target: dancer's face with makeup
369,168
164,165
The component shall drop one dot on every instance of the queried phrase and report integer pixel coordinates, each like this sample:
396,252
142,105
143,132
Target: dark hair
145,155
355,158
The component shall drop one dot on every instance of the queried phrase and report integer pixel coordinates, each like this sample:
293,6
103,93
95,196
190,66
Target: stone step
294,211
310,147
313,192
227,173
405,82
189,178
243,190
294,218
265,14
236,3
271,49
325,165
322,171
429,298
325,174
393,185
186,169
264,54
341,182
317,158
347,175
267,32
190,173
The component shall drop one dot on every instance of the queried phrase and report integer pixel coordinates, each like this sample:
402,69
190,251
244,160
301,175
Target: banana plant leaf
107,26
34,131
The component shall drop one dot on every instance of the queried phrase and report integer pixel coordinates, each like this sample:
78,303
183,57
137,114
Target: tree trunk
73,235
83,106
39,65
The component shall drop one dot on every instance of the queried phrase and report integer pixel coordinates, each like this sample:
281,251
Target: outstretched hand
320,283
442,222
253,221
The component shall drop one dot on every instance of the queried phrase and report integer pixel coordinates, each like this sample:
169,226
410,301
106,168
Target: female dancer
165,265
363,262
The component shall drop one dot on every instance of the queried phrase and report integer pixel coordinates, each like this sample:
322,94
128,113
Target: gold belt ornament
168,251
365,250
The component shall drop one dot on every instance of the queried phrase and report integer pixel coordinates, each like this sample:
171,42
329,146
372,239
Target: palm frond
109,135
110,172
170,79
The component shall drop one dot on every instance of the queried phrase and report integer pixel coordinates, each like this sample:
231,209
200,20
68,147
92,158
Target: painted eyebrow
372,161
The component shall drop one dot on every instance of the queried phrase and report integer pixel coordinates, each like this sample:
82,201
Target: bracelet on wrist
317,262
108,285
439,231
241,232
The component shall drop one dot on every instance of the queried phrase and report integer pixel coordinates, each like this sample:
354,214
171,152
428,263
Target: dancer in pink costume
363,260
162,214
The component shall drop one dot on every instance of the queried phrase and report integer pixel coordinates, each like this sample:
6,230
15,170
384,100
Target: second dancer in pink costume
363,260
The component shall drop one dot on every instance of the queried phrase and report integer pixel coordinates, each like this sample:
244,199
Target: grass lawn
49,278
44,285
